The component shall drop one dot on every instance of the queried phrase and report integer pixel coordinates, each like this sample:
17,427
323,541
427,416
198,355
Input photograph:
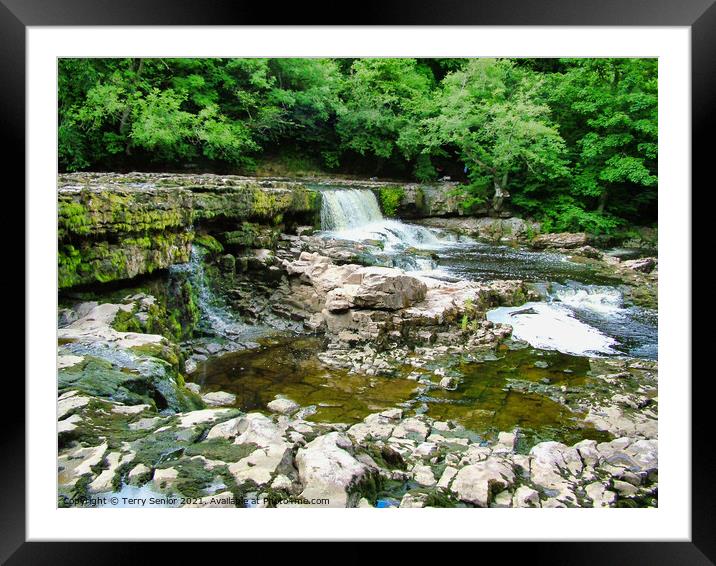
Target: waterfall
216,316
354,214
349,208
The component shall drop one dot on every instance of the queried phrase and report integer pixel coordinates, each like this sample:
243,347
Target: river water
582,315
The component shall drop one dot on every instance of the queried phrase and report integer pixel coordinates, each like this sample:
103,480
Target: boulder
263,464
218,399
328,469
283,406
385,288
645,264
566,240
476,482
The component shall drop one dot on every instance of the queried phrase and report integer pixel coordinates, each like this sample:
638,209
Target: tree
609,111
487,112
379,98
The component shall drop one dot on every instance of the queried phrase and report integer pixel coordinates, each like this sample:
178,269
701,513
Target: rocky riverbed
280,364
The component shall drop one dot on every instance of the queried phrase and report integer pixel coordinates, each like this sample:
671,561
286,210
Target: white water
599,299
214,313
552,326
354,214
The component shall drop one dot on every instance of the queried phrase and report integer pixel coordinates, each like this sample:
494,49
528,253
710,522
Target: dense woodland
570,142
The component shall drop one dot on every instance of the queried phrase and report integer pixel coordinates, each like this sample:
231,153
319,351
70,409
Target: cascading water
354,214
216,316
348,209
583,320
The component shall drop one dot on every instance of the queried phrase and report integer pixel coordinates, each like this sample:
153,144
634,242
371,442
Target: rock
193,387
645,264
502,499
283,406
282,483
588,251
145,424
190,367
557,454
130,409
76,463
373,427
624,489
392,414
551,462
474,483
69,404
413,428
588,452
68,360
219,399
413,500
599,495
566,240
258,429
227,429
327,469
263,464
449,383
68,425
202,416
448,474
525,497
138,473
424,475
505,443
103,482
487,228
425,450
165,477
213,348
385,288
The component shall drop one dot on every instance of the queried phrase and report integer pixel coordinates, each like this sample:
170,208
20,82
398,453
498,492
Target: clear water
583,313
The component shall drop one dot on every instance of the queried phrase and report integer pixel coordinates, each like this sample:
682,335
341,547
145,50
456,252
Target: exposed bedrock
115,227
354,304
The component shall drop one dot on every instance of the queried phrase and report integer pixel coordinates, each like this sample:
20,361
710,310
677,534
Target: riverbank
293,343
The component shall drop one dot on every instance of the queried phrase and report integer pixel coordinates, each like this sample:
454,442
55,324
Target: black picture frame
699,15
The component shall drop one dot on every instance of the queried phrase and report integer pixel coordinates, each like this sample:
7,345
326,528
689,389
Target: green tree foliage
572,143
490,114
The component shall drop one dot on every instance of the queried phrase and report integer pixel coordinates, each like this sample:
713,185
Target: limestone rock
525,497
475,483
327,469
219,399
561,240
283,406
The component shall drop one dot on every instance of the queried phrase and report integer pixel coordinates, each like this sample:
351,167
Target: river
581,316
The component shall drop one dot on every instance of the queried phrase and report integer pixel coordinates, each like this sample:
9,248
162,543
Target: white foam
602,300
553,327
353,214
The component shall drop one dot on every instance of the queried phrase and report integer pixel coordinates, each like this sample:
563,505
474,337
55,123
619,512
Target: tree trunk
500,193
602,201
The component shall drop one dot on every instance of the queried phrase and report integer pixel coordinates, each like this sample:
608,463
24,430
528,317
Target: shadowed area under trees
569,142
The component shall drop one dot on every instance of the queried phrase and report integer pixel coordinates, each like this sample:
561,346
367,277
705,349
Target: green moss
252,235
220,449
369,487
126,321
103,261
390,199
211,244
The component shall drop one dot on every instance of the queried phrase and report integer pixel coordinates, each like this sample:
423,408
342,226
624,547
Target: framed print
426,276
